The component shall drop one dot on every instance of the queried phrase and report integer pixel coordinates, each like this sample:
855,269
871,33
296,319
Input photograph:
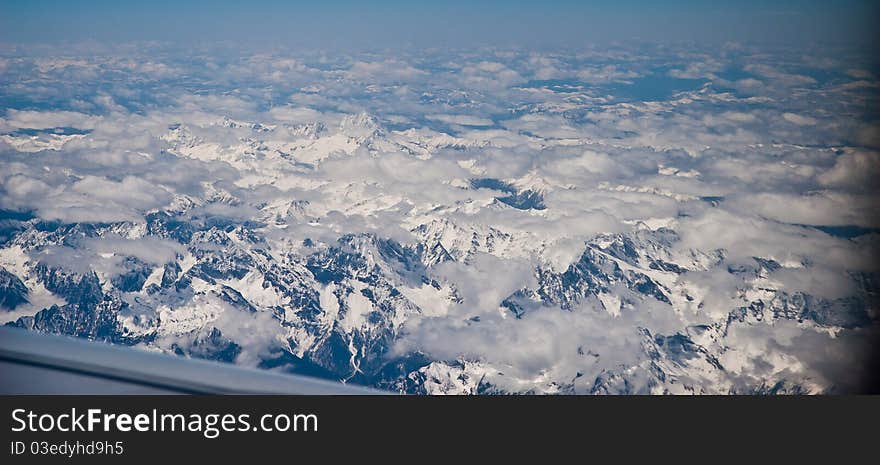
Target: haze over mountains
625,219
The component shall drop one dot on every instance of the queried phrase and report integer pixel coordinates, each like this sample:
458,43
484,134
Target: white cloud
800,120
384,70
317,146
50,119
463,120
854,170
606,73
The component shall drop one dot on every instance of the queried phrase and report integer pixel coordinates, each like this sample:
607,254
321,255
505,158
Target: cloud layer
714,162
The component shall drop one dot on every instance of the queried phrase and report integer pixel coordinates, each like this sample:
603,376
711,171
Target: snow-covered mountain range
489,222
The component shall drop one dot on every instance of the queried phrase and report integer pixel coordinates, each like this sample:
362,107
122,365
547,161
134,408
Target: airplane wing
37,363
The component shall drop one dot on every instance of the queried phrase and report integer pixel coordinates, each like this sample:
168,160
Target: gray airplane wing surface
37,363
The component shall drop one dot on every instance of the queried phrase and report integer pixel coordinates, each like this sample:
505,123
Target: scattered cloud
758,164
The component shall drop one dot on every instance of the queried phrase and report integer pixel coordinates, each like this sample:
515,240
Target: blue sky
449,23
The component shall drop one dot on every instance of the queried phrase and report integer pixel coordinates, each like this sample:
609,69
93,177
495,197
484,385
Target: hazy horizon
393,24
